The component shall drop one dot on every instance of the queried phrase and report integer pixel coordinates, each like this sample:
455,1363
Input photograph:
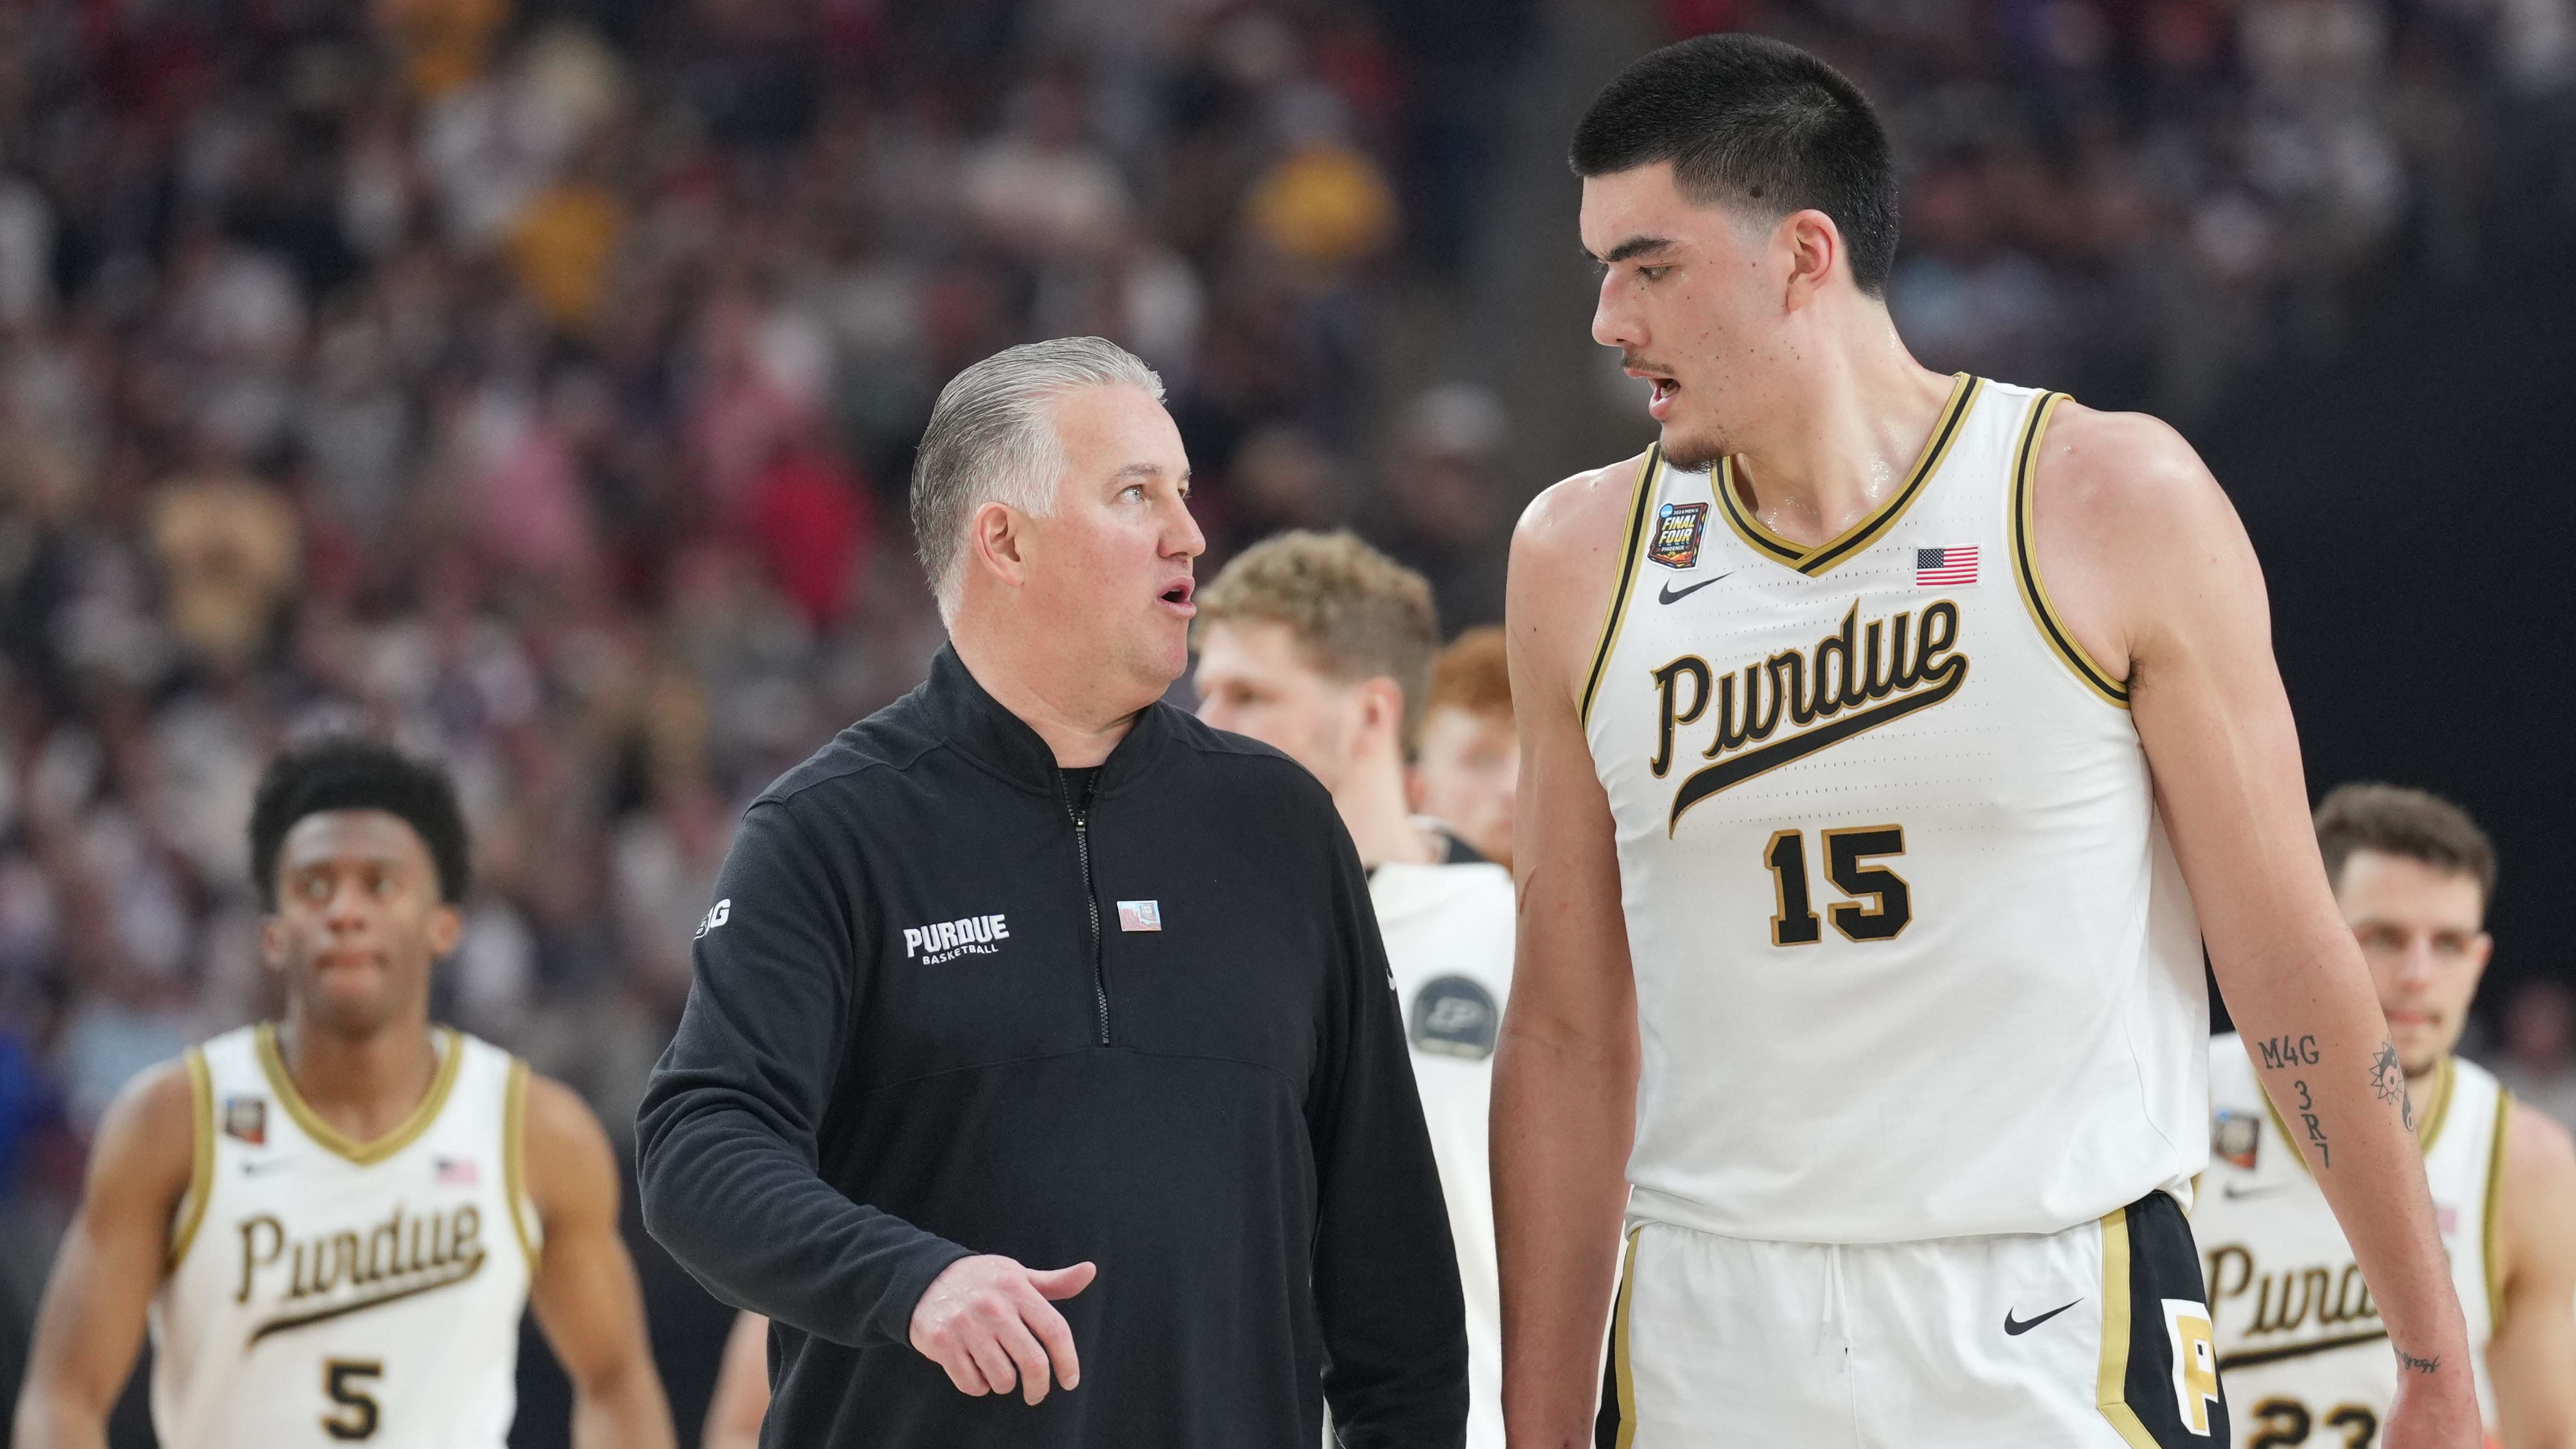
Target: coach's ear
997,540
1812,249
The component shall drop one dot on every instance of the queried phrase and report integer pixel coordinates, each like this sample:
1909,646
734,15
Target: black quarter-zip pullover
947,1005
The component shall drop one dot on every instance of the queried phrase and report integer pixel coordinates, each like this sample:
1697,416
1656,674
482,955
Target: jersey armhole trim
514,1159
2488,1260
2111,1389
1620,1351
2034,593
201,1159
1640,493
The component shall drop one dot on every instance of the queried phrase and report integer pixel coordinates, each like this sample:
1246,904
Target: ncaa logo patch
1454,1016
2236,1136
246,1119
1678,527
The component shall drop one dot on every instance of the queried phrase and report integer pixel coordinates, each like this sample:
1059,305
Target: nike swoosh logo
2232,1190
1670,595
257,1166
1735,770
2016,1327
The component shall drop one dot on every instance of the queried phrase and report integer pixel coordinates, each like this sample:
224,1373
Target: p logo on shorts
2195,1361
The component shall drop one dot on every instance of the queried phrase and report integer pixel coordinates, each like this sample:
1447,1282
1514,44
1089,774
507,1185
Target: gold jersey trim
514,1154
2111,1394
364,1154
201,1158
1641,493
1619,1357
2025,554
2494,1205
1874,526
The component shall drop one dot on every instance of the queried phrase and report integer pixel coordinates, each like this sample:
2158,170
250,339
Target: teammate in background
333,1222
1873,724
2299,1340
1468,769
1321,647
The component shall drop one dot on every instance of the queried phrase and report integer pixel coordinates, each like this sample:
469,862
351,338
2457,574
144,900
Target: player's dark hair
1756,123
348,772
2412,825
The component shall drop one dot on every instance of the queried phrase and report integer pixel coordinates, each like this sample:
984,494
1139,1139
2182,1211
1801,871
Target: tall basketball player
2300,1341
332,1222
1881,732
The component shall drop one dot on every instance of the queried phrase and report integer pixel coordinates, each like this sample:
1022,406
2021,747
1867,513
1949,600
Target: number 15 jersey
1913,957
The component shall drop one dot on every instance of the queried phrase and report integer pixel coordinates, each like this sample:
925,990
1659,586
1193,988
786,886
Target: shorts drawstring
1836,1319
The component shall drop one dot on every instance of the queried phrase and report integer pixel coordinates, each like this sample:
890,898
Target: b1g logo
717,915
2195,1361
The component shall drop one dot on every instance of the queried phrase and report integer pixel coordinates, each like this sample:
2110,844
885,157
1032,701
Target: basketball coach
1042,1079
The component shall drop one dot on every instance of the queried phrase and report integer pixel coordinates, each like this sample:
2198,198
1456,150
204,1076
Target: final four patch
246,1118
1677,530
2236,1136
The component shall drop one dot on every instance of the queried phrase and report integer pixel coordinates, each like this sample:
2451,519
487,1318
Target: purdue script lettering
1855,679
329,1275
2322,1294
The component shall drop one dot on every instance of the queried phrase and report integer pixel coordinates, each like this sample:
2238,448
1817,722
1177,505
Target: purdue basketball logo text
1855,679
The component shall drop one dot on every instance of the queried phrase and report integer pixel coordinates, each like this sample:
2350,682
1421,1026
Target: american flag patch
1936,568
458,1172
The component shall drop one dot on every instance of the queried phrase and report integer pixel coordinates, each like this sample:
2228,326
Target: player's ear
1815,248
272,942
446,928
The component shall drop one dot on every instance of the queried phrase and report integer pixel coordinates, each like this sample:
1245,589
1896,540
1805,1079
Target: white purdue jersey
2300,1344
1913,958
1448,931
326,1292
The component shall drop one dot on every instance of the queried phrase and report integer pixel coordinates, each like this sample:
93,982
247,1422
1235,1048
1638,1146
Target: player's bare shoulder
572,1170
1565,565
147,1139
2126,521
2540,1168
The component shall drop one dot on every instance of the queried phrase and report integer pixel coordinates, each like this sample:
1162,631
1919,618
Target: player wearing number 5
332,1223
1881,732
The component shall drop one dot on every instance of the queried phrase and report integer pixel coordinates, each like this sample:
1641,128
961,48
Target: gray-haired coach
1042,1079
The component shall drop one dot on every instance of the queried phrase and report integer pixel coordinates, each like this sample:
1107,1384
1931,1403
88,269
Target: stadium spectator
2539,1060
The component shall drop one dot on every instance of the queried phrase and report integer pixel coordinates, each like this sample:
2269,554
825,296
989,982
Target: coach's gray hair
992,439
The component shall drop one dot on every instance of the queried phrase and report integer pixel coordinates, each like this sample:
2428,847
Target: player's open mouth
1178,596
1662,398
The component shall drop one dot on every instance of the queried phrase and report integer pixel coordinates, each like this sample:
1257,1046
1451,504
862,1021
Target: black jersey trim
1641,493
2026,563
1813,561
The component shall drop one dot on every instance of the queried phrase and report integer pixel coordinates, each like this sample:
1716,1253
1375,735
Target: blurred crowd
2135,200
535,384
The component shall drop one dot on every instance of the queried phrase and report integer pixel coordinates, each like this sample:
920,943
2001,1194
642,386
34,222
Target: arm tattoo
2308,1115
2420,1365
2386,1077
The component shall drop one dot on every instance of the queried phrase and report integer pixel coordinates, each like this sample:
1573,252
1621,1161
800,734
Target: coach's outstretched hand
985,1318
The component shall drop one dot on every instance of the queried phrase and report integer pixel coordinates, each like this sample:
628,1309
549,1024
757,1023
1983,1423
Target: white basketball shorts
2096,1337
